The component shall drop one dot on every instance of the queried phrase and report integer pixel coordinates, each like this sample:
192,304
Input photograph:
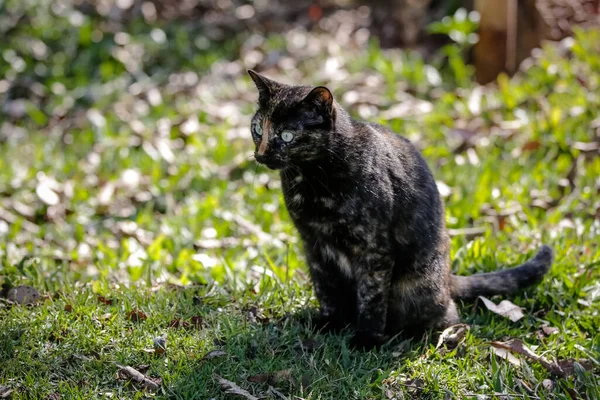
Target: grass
124,161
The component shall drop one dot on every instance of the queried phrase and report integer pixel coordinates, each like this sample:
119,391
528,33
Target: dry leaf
160,344
452,336
214,354
104,300
548,384
136,315
549,330
23,295
276,393
5,392
505,308
68,308
531,145
46,193
505,354
517,346
568,365
229,387
137,376
196,321
178,323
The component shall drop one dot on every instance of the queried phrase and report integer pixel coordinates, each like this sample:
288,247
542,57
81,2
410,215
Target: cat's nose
261,158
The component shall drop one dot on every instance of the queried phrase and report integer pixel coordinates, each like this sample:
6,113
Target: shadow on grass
290,355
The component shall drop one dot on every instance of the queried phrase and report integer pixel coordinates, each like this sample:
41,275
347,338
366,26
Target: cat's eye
287,136
256,128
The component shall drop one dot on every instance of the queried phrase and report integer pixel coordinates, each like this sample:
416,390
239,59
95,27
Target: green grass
149,158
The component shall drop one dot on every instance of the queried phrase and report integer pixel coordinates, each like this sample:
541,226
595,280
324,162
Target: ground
129,199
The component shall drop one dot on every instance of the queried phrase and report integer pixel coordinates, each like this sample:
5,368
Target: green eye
287,136
257,129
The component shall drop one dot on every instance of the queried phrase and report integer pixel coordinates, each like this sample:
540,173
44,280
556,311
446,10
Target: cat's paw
366,341
322,324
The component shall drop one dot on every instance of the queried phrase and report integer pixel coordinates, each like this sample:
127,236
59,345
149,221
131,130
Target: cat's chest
313,200
336,212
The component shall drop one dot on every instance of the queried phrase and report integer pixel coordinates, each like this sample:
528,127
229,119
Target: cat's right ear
264,85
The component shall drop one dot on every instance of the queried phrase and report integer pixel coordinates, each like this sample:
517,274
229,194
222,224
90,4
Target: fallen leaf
505,308
5,392
197,321
160,344
531,145
178,323
104,300
137,376
276,393
505,354
452,336
214,354
23,295
136,315
548,384
568,365
68,308
549,330
46,193
229,387
274,378
517,346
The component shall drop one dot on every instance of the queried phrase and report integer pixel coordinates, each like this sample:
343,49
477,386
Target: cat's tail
505,281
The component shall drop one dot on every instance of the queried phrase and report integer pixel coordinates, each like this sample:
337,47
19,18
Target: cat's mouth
270,163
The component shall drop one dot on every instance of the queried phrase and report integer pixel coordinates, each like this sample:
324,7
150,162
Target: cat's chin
274,165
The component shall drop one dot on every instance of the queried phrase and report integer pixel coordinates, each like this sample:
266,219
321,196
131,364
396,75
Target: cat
370,218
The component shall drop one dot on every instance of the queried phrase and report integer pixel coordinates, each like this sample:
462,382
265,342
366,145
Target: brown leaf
273,378
229,387
68,308
160,344
505,308
505,354
517,346
276,393
197,321
531,145
137,376
136,315
549,330
5,392
23,295
214,354
178,323
453,336
548,384
104,300
568,365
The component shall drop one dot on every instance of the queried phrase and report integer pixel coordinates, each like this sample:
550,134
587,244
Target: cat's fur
370,217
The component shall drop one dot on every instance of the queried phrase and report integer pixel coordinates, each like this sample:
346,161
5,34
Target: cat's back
387,148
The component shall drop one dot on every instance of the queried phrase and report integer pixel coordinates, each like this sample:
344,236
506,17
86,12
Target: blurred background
125,151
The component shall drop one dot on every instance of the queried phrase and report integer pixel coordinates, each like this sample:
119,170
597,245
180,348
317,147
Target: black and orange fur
368,211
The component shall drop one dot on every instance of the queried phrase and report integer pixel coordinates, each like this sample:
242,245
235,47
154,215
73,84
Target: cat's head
293,123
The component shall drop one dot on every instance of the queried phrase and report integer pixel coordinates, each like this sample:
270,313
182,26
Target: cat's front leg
373,292
336,295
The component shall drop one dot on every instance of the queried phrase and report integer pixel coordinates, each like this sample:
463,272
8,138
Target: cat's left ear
322,98
264,85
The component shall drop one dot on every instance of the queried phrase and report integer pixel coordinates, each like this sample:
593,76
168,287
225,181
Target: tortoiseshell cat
370,217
